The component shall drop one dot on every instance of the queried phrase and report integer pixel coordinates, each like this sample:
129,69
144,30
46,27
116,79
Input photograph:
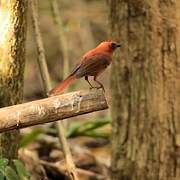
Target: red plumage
93,63
63,85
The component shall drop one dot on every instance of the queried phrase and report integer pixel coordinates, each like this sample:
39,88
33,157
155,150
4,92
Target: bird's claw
92,87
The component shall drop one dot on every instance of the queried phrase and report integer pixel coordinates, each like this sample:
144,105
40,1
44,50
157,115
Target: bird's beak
118,45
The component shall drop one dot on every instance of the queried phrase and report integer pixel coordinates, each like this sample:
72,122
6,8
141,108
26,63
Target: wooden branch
51,109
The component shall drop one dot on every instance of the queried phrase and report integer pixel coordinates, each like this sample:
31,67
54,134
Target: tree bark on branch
51,109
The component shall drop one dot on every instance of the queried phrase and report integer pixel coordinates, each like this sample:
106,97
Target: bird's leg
86,78
101,85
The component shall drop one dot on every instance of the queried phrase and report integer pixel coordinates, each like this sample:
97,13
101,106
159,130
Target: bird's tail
63,85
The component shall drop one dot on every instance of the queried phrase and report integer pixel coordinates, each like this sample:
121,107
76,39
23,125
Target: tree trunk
146,90
12,60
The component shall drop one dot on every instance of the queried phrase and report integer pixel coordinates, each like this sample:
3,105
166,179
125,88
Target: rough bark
12,60
146,90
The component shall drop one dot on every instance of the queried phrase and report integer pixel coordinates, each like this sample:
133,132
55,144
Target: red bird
93,63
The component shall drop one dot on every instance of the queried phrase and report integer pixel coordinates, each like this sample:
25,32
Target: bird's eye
113,45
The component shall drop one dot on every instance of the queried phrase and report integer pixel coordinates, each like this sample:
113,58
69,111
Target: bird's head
108,46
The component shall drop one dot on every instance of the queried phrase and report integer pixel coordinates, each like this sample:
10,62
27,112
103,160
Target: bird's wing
91,66
77,66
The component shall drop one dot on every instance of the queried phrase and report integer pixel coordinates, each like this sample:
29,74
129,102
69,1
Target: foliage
89,128
34,134
17,173
76,129
30,137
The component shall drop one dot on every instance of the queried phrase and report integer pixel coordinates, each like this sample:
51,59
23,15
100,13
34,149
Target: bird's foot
92,87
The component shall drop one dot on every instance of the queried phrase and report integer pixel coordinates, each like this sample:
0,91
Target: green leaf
10,174
3,164
22,172
97,135
30,137
98,123
73,129
1,176
84,129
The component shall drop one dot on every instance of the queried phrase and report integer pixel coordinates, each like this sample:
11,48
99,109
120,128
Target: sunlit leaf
22,172
10,174
3,164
